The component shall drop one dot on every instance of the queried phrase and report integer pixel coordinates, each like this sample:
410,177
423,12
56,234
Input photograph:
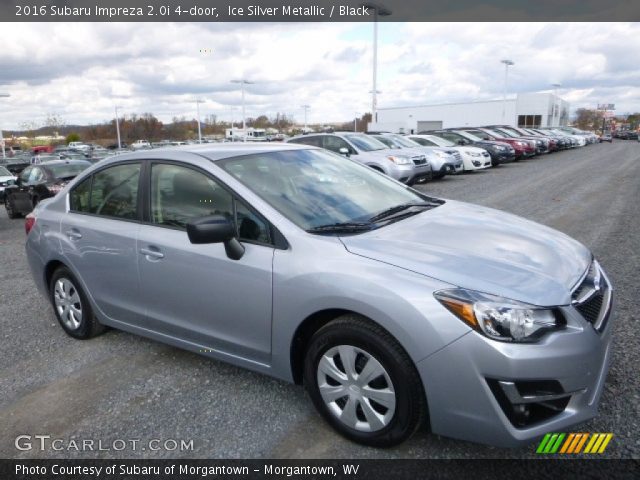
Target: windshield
404,142
470,136
389,142
507,133
64,170
441,142
365,142
314,188
5,173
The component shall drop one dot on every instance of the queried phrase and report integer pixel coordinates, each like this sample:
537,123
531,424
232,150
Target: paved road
119,386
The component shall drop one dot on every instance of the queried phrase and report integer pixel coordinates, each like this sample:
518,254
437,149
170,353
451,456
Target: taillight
29,222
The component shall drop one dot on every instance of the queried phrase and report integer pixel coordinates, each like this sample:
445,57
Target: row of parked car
416,158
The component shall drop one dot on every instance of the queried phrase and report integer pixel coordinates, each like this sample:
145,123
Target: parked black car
38,182
500,152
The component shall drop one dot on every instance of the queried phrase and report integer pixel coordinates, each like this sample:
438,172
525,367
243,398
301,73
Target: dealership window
529,121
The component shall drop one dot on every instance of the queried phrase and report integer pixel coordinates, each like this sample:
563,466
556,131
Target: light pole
4,153
507,64
242,83
198,102
556,107
118,127
355,123
378,11
306,108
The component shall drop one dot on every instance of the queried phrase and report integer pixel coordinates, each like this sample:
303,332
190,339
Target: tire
71,307
393,381
10,208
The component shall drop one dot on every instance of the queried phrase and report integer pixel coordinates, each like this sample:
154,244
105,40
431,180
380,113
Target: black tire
88,326
410,410
10,207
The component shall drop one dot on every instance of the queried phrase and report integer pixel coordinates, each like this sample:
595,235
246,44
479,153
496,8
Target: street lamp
242,83
555,86
507,64
4,154
118,126
355,122
306,108
198,102
378,11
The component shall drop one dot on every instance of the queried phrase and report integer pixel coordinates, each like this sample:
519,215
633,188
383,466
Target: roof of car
63,162
218,151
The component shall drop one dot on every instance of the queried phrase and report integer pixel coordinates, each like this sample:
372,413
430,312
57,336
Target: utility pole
243,82
4,153
507,64
118,127
306,108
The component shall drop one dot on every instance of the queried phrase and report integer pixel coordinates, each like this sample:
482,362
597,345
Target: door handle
151,253
73,234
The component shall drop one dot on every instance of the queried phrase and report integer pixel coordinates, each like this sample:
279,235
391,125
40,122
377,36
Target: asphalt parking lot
119,386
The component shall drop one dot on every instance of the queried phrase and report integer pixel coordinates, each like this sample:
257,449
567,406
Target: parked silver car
406,167
443,161
394,308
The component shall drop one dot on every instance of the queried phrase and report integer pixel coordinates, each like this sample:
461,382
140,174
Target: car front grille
592,297
419,160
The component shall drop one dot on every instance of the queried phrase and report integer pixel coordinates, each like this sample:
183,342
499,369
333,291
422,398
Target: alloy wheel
67,303
356,388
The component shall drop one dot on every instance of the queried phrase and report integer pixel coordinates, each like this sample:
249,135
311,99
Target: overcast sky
80,71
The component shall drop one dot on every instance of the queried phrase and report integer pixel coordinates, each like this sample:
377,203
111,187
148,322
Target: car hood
481,249
6,178
471,150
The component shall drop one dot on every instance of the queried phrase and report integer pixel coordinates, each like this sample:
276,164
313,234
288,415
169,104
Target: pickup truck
139,144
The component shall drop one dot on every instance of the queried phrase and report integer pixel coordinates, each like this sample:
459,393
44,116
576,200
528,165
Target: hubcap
68,305
356,388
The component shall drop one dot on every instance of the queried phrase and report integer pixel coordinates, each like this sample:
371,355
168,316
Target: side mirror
344,151
216,229
461,142
12,182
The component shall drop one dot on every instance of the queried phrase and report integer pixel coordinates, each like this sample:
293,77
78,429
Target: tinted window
66,170
250,226
179,195
5,173
313,140
79,196
115,191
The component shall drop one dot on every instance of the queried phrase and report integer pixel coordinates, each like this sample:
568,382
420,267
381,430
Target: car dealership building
525,110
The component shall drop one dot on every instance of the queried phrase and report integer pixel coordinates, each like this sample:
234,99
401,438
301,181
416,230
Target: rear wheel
363,383
71,306
10,207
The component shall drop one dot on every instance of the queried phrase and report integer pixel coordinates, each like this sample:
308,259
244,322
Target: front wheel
363,383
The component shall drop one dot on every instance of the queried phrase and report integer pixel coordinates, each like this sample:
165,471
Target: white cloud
80,71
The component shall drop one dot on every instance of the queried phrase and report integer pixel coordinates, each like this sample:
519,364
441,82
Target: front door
196,293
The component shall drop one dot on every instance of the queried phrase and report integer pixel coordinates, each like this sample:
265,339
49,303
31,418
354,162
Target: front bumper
459,379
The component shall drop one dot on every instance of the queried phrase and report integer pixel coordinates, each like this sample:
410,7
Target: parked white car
473,158
5,177
79,146
140,144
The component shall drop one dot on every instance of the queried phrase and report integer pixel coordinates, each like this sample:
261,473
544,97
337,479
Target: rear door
20,194
98,238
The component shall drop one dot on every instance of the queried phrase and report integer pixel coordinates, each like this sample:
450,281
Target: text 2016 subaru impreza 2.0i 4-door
395,309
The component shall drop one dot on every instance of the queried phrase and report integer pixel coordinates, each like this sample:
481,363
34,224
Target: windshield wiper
399,208
347,227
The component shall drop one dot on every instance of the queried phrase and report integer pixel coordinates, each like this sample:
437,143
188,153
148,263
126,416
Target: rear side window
333,143
79,196
114,192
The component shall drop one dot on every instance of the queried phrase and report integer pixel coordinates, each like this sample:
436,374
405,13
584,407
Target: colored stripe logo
574,443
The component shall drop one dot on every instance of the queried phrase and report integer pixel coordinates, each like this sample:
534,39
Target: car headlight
500,318
442,154
521,144
500,148
400,159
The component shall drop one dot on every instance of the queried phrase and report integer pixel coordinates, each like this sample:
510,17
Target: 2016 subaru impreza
395,309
